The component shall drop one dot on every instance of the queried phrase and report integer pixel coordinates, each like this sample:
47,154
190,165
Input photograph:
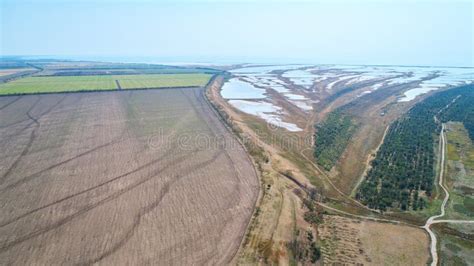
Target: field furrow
129,177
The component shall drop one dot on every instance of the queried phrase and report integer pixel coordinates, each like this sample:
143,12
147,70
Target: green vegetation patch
100,82
403,170
460,146
466,207
462,110
460,172
57,84
332,137
469,204
162,80
455,250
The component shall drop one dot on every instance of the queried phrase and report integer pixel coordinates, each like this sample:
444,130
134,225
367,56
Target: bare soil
124,177
352,241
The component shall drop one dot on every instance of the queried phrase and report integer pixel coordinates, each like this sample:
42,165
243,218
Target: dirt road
453,221
431,220
118,84
433,244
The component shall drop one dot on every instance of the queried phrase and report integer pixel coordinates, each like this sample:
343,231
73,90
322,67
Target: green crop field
100,82
162,80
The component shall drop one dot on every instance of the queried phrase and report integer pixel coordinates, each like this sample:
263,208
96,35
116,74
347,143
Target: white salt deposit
270,113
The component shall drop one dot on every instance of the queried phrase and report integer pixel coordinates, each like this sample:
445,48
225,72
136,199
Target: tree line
332,137
402,174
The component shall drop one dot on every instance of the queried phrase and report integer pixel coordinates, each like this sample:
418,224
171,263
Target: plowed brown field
125,177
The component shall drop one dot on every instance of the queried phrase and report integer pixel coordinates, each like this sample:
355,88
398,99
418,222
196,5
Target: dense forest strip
461,110
402,174
332,137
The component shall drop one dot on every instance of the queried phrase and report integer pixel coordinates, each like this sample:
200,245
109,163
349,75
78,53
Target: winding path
434,252
328,179
431,220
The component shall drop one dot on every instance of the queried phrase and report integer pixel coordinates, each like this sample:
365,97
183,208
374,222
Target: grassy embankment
457,241
460,172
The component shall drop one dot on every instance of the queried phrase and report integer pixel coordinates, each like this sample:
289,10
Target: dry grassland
351,241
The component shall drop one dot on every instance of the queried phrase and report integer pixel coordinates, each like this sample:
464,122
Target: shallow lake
238,89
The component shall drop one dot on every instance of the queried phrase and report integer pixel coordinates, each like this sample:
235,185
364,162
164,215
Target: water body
447,77
238,89
301,77
267,111
264,69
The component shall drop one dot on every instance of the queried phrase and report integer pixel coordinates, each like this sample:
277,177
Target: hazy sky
351,32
